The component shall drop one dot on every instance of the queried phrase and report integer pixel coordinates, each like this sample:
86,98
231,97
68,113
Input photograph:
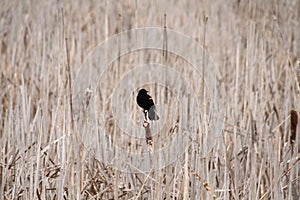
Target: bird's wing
150,99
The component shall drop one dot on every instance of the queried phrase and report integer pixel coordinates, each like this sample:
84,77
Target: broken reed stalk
148,133
146,125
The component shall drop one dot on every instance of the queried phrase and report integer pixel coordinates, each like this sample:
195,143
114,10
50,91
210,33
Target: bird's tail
153,114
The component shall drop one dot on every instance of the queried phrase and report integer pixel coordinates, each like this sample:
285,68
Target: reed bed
225,77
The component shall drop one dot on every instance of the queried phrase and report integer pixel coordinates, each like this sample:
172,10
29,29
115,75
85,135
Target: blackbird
145,101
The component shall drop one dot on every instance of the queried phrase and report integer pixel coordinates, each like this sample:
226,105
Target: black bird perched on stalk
145,101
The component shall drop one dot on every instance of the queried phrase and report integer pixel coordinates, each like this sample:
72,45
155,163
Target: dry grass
60,104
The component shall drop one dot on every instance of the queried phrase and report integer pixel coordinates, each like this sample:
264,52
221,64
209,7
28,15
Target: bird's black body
145,101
